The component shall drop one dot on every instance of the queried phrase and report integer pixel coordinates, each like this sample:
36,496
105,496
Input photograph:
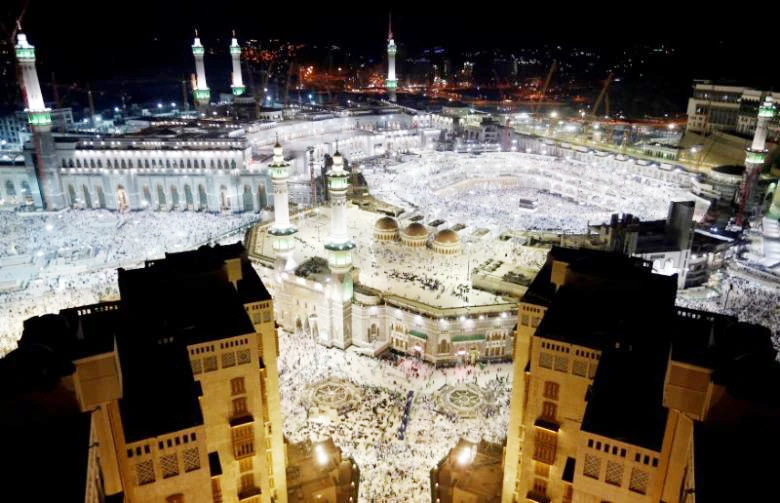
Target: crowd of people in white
749,300
55,261
392,470
486,190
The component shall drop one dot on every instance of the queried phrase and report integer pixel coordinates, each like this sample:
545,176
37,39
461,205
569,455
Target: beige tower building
178,384
620,396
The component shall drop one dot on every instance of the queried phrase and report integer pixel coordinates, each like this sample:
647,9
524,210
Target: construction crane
553,66
603,96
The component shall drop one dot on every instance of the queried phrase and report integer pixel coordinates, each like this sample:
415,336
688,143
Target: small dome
416,229
386,224
447,236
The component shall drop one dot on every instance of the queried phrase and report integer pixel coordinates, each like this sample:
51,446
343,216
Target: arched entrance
248,206
72,195
298,324
122,202
224,198
101,197
26,193
87,197
373,333
10,190
160,196
147,195
174,197
203,200
188,197
262,202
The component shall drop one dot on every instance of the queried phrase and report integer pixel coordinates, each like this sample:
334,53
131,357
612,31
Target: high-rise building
618,395
177,385
716,107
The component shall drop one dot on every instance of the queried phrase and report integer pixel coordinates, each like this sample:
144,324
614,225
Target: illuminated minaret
237,82
49,192
391,82
282,231
755,156
200,90
339,247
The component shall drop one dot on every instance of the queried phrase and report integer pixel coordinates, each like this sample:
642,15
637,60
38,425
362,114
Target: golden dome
386,224
415,230
447,236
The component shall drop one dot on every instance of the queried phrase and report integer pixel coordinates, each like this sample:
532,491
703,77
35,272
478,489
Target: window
540,486
243,441
191,458
196,366
247,482
210,363
239,407
637,457
245,465
580,368
169,464
622,453
524,320
551,390
614,473
591,467
655,462
561,364
549,410
228,359
638,482
545,445
542,469
243,356
237,386
144,470
590,442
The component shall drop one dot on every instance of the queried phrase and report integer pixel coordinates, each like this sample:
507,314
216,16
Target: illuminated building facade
178,385
624,405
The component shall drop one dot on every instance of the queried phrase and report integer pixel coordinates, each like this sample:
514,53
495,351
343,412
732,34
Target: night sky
144,39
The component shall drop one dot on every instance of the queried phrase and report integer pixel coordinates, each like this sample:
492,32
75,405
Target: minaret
237,82
339,248
200,90
391,82
754,160
49,192
282,231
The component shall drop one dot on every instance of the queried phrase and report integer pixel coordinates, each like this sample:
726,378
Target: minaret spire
755,156
39,118
391,82
282,231
390,26
237,81
200,89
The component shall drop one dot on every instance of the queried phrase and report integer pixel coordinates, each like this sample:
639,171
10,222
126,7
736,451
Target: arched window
233,164
99,163
108,163
189,163
10,190
78,163
92,163
146,163
70,163
64,164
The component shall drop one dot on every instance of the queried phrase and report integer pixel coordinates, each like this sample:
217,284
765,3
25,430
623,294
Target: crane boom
546,85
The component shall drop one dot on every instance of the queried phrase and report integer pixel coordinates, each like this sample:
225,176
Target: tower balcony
39,117
201,95
198,50
238,90
25,54
391,83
